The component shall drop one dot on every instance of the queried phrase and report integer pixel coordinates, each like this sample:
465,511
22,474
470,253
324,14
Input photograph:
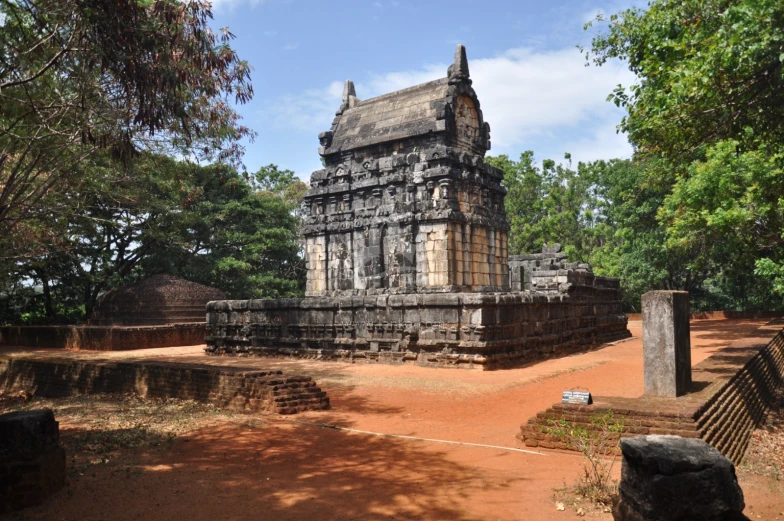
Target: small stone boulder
669,478
32,462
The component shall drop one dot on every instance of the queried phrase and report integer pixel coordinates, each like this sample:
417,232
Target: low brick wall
731,393
103,338
32,462
235,388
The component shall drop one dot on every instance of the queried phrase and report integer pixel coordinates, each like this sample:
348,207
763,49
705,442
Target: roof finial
458,71
348,90
349,97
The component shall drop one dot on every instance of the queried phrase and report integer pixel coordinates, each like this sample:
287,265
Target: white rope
416,438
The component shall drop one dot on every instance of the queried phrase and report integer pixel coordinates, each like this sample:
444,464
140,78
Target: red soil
286,470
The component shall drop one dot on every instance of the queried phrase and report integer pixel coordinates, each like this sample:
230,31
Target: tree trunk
48,308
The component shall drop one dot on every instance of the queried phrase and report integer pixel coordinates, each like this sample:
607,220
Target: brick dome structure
156,300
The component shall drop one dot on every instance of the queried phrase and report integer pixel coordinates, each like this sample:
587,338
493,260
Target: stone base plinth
103,338
470,330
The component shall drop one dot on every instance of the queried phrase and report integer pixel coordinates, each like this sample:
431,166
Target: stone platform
468,330
231,387
103,338
730,395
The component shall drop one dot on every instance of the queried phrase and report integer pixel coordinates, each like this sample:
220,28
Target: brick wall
103,338
270,391
733,390
469,330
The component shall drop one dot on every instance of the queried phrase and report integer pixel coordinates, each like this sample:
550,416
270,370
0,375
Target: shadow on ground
273,472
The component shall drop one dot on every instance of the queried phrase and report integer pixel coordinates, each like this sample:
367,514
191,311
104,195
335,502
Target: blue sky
531,80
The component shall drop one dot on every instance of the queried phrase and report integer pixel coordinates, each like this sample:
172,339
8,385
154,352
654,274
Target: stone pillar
669,477
665,343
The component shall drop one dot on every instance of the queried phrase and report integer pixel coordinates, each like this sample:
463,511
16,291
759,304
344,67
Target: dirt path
275,469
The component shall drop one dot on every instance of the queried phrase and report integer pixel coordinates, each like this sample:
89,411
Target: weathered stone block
670,478
666,343
32,463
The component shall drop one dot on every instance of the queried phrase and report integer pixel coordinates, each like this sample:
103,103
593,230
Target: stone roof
407,113
159,299
398,115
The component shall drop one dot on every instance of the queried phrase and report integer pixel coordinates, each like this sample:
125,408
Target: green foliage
596,444
80,78
708,70
153,215
547,204
705,117
556,428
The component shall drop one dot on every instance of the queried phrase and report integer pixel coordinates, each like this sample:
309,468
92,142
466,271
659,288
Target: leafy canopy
78,77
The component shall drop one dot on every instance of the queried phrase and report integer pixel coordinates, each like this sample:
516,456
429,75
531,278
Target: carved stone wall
425,221
468,330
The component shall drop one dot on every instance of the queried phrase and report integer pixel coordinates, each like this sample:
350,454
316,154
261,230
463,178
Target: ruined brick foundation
732,392
102,338
234,388
469,330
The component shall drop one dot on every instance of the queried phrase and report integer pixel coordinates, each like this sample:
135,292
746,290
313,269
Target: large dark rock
669,478
32,464
25,435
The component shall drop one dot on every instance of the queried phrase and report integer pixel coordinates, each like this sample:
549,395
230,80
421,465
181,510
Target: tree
78,77
707,114
237,238
547,204
708,70
156,215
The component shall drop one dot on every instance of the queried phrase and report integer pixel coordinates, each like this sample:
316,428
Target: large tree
547,204
156,215
708,70
80,77
708,112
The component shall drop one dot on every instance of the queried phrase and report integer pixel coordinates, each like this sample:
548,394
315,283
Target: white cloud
312,111
602,141
223,5
545,100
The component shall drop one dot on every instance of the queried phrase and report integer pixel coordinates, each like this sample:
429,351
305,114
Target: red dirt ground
285,470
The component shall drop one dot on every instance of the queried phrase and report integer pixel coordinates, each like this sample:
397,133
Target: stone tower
406,203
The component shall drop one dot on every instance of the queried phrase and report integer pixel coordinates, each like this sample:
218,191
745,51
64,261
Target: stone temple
406,251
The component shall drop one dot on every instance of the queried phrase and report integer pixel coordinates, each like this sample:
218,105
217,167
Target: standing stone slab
666,343
669,478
